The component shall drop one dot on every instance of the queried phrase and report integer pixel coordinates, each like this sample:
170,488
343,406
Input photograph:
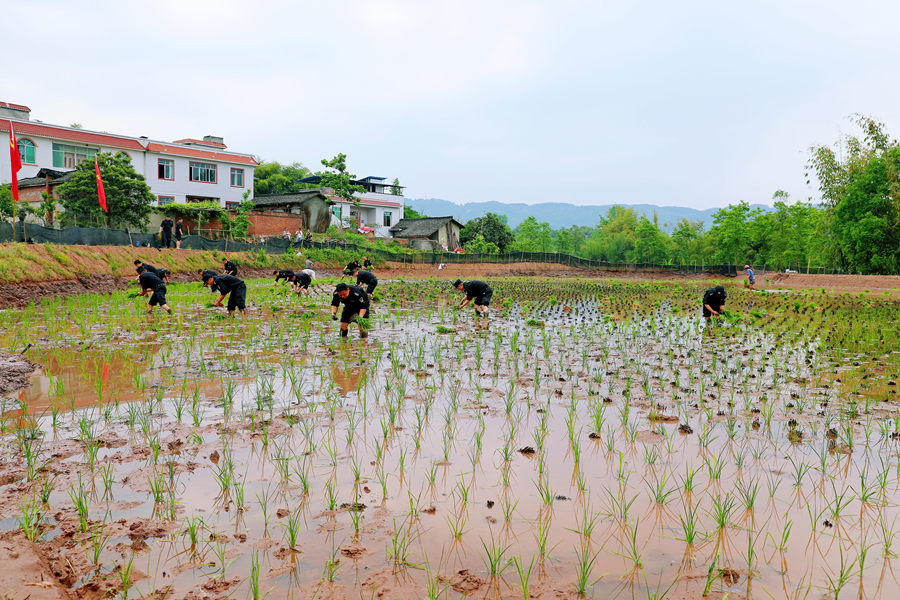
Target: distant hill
558,214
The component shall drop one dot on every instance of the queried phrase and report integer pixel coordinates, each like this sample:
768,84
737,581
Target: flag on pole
101,194
15,162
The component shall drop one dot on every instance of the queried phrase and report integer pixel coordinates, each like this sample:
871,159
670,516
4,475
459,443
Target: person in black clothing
301,282
150,281
179,233
227,285
367,264
356,305
285,274
352,266
478,291
713,300
229,267
165,231
140,267
368,278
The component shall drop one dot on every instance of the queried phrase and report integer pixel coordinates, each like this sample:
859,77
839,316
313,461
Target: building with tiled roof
188,170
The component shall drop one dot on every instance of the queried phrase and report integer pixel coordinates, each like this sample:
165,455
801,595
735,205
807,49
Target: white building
379,208
187,170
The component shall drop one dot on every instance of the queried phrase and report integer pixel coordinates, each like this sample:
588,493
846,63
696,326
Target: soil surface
14,372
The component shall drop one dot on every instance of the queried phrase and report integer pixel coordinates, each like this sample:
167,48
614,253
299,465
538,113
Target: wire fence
93,236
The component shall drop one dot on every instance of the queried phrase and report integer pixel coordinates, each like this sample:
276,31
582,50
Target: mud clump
14,372
527,450
463,582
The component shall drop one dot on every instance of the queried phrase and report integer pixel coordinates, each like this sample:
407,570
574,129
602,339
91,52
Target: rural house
429,233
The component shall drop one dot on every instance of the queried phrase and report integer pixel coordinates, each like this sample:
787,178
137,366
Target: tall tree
128,196
531,236
492,227
337,177
275,178
395,187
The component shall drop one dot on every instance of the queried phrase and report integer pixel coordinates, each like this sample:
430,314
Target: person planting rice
229,267
151,282
285,274
227,285
356,308
367,264
713,301
300,282
751,277
352,266
161,273
477,291
368,279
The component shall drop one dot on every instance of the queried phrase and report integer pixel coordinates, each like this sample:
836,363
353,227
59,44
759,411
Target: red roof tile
72,135
191,152
14,106
200,143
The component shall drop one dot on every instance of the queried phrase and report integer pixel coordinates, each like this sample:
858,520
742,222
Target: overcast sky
686,103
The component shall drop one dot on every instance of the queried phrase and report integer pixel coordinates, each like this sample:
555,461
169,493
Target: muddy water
430,433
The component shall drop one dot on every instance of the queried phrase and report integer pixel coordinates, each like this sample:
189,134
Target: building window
163,200
336,211
387,218
237,177
166,169
26,151
203,172
232,205
123,155
68,157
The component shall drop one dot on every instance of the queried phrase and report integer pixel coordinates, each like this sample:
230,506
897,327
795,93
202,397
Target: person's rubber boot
344,333
363,334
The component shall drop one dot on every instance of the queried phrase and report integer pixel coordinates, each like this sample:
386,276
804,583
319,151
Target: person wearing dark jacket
179,233
367,264
161,273
477,291
301,282
713,301
229,267
165,231
368,279
285,274
227,285
151,282
352,266
356,306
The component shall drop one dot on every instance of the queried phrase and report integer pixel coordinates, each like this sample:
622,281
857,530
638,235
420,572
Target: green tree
410,213
491,227
614,238
650,244
338,178
478,245
687,243
275,178
128,197
531,236
736,234
7,205
395,187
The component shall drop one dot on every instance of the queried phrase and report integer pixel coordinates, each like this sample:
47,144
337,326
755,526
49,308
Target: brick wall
274,223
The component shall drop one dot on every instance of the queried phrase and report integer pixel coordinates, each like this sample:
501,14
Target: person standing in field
356,306
227,285
477,291
751,278
298,239
368,279
151,282
713,301
179,233
165,231
229,267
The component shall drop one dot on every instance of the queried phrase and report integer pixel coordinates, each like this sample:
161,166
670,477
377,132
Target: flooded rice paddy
588,439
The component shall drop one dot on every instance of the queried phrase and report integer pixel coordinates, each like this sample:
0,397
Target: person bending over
140,267
368,279
229,267
352,266
367,264
751,277
713,301
285,274
477,291
301,282
227,285
151,282
356,306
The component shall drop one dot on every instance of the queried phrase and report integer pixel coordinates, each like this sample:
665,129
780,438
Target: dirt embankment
14,371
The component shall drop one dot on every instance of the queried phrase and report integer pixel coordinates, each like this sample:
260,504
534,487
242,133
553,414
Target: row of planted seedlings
582,456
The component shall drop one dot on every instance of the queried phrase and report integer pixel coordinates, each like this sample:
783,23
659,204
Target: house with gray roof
429,233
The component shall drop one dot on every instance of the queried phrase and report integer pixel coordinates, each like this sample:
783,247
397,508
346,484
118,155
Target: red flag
100,193
15,162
